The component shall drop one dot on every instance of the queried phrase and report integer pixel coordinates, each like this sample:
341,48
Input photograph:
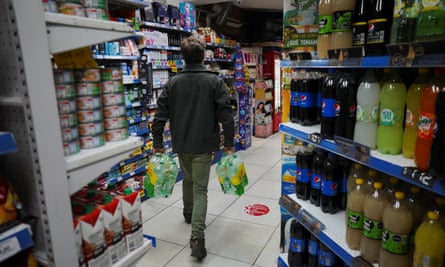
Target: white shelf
15,240
90,163
69,32
134,256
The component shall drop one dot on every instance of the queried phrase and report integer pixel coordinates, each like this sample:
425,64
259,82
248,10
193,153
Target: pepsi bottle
344,165
307,91
319,84
304,173
326,257
317,169
351,107
297,256
328,106
329,185
294,101
345,106
312,249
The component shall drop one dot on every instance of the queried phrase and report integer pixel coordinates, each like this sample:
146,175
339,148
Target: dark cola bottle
437,160
344,166
294,101
329,185
307,91
304,173
317,169
297,256
360,23
328,106
345,106
379,26
326,258
312,249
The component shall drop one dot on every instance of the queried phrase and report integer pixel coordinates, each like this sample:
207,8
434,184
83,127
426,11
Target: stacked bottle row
380,114
390,225
374,23
304,249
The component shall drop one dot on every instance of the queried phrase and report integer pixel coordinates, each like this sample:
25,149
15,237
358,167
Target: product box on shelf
187,15
131,218
78,236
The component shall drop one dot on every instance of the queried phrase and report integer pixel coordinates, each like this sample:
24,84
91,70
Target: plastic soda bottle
429,243
328,106
412,112
437,161
392,110
397,227
317,169
342,24
325,18
427,119
357,170
373,207
329,185
312,249
354,215
345,106
297,245
304,174
325,256
368,95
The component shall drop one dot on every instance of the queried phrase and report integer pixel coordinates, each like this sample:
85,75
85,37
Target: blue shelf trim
156,67
135,158
375,163
365,62
115,57
140,132
7,143
136,120
281,262
134,105
152,106
152,238
132,82
127,175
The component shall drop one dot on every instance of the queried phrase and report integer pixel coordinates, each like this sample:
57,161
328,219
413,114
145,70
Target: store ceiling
272,5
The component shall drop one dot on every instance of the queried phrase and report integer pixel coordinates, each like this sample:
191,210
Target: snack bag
231,174
161,176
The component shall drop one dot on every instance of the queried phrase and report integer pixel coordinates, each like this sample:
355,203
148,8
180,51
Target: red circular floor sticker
256,209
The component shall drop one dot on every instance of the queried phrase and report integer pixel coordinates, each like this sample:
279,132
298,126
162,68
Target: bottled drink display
368,95
312,249
342,24
324,28
357,170
328,106
345,107
429,248
392,184
344,165
379,26
412,113
431,21
360,23
297,245
317,169
427,119
304,173
329,185
437,161
308,89
294,101
354,215
373,206
439,207
417,204
392,109
405,18
397,227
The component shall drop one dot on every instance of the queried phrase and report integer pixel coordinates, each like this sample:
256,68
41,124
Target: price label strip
314,138
81,58
311,223
424,178
290,205
352,149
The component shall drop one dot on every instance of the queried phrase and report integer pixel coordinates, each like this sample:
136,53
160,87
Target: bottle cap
415,189
372,173
357,166
127,191
106,199
378,185
393,180
359,181
399,195
432,215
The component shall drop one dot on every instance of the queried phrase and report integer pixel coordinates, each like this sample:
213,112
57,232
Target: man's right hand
158,150
229,150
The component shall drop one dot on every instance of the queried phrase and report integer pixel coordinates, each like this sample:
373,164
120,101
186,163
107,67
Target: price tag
75,59
290,205
314,138
310,221
352,149
8,248
360,262
174,69
418,176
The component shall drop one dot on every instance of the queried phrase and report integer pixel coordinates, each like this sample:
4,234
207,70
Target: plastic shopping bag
231,174
161,176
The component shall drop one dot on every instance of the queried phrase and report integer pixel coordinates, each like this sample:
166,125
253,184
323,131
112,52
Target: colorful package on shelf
173,14
8,198
161,176
232,174
288,174
133,166
160,12
187,15
300,25
78,236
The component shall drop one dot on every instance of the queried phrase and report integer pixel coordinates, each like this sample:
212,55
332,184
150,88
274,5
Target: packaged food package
231,174
161,176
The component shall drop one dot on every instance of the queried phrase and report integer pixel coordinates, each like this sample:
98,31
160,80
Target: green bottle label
375,114
372,229
342,21
390,117
355,219
395,243
360,113
325,23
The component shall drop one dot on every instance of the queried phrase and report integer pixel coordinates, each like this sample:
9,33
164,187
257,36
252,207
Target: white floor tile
160,255
263,160
269,255
265,189
273,174
151,209
237,211
169,225
255,171
237,240
184,259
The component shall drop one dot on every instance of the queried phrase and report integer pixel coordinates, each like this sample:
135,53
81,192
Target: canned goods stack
89,108
115,119
97,9
66,100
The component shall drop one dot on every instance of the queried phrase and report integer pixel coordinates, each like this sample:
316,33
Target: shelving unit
41,175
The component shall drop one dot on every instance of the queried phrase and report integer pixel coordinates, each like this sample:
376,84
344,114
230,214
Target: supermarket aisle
233,237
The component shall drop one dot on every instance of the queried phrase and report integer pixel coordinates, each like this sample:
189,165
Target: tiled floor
233,238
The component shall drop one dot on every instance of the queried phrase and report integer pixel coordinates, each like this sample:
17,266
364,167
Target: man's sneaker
188,218
198,248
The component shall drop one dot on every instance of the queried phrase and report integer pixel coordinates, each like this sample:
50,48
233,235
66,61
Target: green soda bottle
392,111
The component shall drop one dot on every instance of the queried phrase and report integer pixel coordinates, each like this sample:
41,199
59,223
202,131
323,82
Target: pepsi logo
298,172
334,186
303,97
337,107
352,108
323,104
317,179
371,28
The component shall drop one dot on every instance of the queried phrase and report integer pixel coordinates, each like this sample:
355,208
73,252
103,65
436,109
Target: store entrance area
241,231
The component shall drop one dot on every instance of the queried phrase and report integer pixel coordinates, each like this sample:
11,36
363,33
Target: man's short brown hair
193,50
